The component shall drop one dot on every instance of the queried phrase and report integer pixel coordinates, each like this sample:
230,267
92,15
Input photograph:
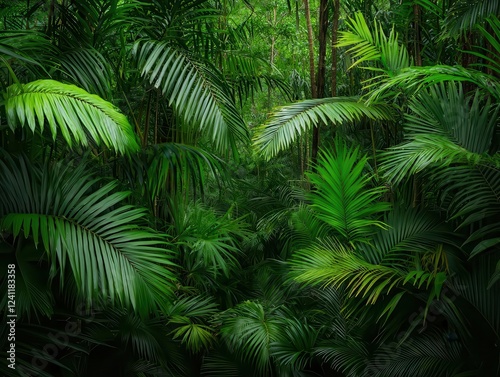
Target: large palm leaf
194,89
89,69
445,127
430,354
79,116
452,138
374,46
289,122
294,349
191,317
464,15
409,251
82,223
249,329
413,79
179,165
28,52
342,197
329,263
471,196
490,57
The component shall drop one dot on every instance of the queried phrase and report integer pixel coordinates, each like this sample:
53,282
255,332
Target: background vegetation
219,188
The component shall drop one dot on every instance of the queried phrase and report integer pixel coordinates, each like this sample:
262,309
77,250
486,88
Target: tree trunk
323,31
272,53
417,42
335,30
321,76
314,92
311,48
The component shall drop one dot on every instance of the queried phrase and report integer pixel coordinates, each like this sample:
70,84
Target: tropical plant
149,239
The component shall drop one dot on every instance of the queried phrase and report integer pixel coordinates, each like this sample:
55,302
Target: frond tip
290,121
77,114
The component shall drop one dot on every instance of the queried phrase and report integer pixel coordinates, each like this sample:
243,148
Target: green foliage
210,240
373,45
81,222
190,316
81,66
269,272
249,329
289,122
414,79
466,15
195,90
342,197
78,115
178,165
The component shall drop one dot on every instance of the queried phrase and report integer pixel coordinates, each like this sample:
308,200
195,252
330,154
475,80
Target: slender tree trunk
321,76
417,35
50,18
323,31
311,48
335,30
272,53
314,92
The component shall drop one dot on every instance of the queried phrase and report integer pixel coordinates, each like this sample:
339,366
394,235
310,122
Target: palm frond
413,79
76,114
430,354
329,263
196,91
342,197
180,164
348,356
294,348
249,329
210,239
84,223
423,152
223,362
91,23
191,318
474,287
30,49
247,73
409,232
89,69
289,122
410,251
142,335
491,58
464,15
374,46
444,109
471,195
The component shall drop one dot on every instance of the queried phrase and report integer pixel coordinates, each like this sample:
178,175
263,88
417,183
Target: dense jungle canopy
250,188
